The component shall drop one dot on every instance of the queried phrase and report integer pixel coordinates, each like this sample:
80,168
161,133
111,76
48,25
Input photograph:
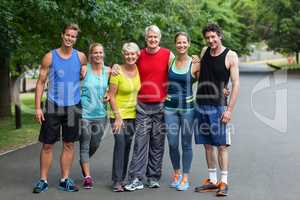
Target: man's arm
40,85
83,62
172,56
233,62
197,63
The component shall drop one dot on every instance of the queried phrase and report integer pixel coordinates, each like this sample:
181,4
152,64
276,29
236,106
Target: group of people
150,96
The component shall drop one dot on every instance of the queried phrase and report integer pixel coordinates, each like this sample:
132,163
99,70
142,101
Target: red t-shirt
153,70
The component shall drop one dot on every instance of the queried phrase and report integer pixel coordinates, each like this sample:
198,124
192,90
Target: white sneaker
136,184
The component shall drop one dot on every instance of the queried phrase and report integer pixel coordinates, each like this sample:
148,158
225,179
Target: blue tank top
64,79
180,82
93,89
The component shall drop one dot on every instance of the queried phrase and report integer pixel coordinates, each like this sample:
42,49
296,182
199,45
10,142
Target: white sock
44,180
224,176
212,174
62,179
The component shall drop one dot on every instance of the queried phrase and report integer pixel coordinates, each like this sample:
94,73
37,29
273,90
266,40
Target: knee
209,148
47,148
222,149
93,148
68,146
186,146
173,144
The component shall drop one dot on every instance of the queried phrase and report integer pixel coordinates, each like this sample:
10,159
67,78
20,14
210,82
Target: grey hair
131,46
154,29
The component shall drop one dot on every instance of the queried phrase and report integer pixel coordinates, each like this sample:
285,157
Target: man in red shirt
150,128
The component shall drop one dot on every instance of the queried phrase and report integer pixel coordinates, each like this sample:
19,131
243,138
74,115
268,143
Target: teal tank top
93,89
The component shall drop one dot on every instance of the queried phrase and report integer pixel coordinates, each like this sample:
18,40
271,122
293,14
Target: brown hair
71,26
182,34
212,27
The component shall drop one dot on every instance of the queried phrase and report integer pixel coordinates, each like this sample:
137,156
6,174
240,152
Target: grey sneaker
153,184
136,184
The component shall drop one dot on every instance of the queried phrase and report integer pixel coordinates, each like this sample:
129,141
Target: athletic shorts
60,120
209,129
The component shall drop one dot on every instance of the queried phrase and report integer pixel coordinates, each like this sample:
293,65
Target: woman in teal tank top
93,101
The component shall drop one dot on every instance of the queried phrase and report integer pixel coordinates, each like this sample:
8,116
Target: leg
70,133
46,157
139,159
210,155
49,134
118,155
186,140
97,131
223,162
66,159
156,144
130,129
223,157
186,123
172,127
84,140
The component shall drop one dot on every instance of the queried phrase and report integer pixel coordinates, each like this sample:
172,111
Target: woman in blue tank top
93,101
179,110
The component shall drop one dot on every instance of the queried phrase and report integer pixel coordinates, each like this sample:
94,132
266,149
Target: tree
278,24
30,28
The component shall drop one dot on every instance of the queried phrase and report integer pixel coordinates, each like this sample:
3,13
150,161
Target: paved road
264,161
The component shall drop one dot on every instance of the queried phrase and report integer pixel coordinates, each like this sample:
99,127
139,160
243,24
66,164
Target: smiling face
130,57
69,37
213,40
97,55
152,40
182,44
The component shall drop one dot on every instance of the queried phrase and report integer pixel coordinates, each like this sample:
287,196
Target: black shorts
63,120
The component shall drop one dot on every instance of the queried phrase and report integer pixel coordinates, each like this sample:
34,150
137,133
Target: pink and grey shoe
88,182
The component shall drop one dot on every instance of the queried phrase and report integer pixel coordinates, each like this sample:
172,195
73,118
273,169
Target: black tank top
214,77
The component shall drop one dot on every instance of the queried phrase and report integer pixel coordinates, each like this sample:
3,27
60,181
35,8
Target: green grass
10,137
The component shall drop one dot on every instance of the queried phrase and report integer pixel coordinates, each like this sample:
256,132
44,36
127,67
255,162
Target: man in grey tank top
212,113
62,66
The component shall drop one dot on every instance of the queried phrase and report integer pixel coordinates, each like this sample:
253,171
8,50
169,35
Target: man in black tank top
213,113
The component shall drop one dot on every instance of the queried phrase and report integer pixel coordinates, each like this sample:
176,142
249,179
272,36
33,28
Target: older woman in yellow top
123,92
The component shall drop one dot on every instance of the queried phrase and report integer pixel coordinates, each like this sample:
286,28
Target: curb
18,148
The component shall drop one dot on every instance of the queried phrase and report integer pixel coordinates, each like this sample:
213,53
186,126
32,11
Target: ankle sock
224,176
212,174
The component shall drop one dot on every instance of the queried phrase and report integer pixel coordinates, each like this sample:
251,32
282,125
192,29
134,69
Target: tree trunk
5,100
297,57
15,93
24,85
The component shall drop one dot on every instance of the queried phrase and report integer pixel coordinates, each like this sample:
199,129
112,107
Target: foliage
279,24
30,28
33,27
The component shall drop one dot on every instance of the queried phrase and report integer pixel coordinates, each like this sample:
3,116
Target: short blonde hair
132,47
154,29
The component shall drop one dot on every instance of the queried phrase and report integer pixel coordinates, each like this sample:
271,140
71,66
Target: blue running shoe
41,186
183,186
68,185
176,179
